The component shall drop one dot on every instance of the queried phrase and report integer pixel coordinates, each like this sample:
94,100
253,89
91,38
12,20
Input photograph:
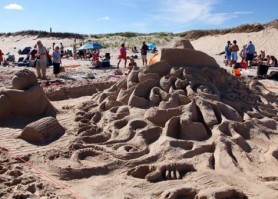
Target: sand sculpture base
180,128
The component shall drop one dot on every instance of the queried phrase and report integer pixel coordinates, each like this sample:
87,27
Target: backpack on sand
273,75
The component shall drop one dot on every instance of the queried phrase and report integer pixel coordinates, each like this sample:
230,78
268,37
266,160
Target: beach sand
129,143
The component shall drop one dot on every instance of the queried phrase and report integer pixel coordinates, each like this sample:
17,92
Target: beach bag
273,75
243,64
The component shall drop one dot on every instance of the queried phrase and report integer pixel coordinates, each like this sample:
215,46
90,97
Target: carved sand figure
182,128
25,98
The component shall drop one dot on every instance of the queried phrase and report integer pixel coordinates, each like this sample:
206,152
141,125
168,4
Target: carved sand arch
178,120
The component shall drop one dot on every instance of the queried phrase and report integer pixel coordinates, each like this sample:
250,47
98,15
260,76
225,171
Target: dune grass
131,37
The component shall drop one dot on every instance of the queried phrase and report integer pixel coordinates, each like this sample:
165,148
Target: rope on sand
50,179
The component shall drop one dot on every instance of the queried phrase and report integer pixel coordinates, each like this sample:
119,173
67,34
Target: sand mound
25,99
183,43
42,131
182,127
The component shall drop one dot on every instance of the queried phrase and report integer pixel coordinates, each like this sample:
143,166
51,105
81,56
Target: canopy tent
91,45
151,46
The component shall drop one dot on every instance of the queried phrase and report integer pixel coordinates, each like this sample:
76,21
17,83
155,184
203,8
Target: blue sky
144,16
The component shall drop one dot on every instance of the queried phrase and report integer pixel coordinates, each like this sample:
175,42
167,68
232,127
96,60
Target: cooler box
262,70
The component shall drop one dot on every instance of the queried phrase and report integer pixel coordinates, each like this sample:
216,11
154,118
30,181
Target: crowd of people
143,52
234,57
249,57
40,57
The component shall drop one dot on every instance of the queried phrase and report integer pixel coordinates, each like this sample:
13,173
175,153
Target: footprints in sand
18,181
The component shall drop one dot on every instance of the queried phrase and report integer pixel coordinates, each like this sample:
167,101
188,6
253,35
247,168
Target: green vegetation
159,37
41,34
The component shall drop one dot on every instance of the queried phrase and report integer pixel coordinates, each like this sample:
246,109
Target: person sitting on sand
122,55
264,66
272,61
95,55
261,55
34,52
134,50
132,64
95,61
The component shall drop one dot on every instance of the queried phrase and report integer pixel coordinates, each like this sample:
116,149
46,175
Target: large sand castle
182,127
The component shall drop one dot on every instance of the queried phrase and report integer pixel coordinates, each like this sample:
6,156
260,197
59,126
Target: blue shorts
234,56
228,56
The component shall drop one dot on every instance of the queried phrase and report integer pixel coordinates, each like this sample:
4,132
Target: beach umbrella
91,45
151,46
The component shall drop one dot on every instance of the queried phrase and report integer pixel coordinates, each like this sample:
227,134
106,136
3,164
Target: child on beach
122,55
56,61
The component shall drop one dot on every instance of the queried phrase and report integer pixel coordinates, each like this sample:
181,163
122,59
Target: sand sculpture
184,128
25,98
183,43
42,131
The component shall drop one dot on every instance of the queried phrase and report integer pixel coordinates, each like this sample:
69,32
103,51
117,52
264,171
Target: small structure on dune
183,43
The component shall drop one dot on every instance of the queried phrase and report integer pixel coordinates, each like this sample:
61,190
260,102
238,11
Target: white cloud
181,11
13,6
104,18
243,12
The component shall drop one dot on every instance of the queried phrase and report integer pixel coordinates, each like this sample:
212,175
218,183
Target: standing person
74,49
227,53
243,53
41,60
234,49
53,46
56,61
250,53
144,51
1,56
62,50
122,55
